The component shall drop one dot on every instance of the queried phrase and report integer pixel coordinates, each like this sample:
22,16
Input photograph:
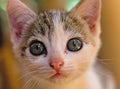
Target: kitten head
56,45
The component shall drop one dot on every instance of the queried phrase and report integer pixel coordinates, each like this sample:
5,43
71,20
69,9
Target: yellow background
111,36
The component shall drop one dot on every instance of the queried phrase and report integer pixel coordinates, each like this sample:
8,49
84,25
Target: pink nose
56,64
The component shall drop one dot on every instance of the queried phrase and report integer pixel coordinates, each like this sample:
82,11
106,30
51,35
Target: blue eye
74,44
37,48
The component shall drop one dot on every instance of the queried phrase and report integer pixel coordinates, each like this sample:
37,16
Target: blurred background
109,53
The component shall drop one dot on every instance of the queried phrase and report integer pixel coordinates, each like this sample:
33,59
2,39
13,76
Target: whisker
26,84
105,62
29,85
28,73
106,59
44,68
32,65
33,85
38,84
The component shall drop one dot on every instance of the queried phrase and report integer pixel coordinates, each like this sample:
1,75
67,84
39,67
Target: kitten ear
89,10
19,16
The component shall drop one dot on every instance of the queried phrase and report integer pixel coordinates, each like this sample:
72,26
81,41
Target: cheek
84,58
88,54
32,63
38,69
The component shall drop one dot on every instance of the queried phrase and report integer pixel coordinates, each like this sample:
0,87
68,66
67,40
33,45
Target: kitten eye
74,44
37,48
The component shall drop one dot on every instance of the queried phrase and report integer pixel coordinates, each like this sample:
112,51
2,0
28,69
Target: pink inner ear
88,10
92,14
16,27
92,20
19,16
19,22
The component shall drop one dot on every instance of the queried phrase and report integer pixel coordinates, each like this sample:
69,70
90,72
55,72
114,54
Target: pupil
74,43
37,47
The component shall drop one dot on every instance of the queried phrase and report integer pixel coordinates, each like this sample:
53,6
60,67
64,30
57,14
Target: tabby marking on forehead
49,22
44,23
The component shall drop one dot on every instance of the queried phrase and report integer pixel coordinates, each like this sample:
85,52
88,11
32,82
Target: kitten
56,48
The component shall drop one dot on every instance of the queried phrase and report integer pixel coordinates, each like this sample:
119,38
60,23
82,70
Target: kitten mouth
58,75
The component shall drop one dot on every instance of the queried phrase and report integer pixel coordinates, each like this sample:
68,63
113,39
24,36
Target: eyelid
77,37
33,41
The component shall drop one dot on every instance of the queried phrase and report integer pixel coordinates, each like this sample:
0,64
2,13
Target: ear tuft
19,16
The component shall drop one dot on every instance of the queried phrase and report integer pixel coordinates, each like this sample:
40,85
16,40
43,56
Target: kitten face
56,46
58,29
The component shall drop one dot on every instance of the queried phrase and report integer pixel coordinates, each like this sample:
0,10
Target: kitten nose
56,64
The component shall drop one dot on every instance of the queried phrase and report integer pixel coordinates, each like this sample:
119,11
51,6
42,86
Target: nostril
56,64
51,65
61,64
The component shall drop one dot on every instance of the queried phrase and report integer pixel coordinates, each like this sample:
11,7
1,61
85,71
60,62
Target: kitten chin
84,82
